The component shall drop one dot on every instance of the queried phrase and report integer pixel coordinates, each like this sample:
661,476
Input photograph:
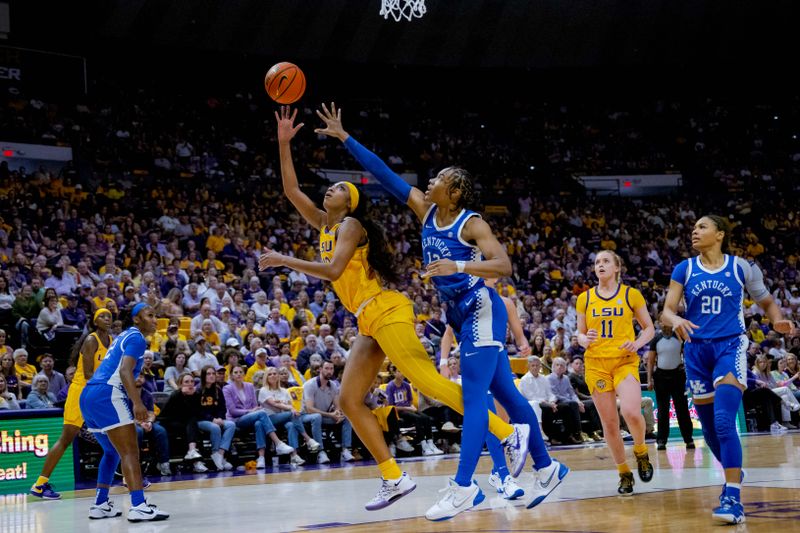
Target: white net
402,9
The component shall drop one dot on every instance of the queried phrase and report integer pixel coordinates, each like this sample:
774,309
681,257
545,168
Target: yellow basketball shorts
388,307
72,407
605,374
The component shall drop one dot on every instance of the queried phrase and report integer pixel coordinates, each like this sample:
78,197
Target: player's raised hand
684,329
269,258
332,117
286,128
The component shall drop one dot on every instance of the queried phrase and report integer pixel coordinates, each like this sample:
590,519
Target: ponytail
723,225
379,257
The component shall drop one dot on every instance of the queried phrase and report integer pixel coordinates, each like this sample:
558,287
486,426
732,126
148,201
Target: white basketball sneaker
456,499
508,487
391,490
104,510
146,512
545,481
516,448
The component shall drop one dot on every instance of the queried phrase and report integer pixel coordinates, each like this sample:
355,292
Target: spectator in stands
331,347
72,315
243,409
536,389
173,372
196,325
277,324
56,379
278,404
201,357
152,431
260,364
399,395
258,379
766,404
40,397
321,396
792,368
180,416
9,373
285,378
303,357
8,400
149,372
25,308
24,370
287,362
69,375
6,302
783,379
339,362
212,418
567,401
790,405
211,335
5,348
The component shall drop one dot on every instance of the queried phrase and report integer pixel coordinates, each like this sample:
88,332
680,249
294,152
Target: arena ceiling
528,34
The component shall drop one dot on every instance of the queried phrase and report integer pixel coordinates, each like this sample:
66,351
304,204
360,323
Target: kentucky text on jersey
446,242
714,297
713,285
438,244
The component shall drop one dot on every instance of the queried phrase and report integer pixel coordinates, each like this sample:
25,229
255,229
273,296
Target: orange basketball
285,83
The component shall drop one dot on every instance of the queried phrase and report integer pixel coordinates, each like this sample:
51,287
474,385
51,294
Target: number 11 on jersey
606,329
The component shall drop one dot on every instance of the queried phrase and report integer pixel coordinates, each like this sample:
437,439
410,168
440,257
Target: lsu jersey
99,355
714,298
358,284
612,318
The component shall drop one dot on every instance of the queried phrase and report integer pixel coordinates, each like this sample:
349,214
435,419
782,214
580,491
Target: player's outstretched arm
286,132
397,187
347,240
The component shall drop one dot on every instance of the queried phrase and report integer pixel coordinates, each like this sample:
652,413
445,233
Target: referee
666,374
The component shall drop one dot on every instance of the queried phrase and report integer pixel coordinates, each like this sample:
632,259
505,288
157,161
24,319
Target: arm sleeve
679,272
753,279
375,166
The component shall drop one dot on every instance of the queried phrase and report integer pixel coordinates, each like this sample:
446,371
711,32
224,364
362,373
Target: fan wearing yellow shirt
90,352
355,259
605,328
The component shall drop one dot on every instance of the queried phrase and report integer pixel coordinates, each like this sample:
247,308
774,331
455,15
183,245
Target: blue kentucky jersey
446,243
714,298
130,343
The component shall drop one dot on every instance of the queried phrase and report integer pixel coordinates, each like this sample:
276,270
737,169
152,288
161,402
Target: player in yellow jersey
90,351
356,259
605,328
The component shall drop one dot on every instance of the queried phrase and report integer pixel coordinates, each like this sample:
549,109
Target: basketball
285,83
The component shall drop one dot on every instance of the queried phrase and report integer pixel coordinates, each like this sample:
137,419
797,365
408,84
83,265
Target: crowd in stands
170,201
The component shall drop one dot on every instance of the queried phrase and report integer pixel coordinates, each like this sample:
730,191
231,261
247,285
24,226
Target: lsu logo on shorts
600,385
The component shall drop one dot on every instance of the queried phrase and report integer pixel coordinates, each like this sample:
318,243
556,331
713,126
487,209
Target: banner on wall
674,429
24,443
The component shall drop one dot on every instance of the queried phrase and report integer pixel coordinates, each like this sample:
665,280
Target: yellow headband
98,313
353,194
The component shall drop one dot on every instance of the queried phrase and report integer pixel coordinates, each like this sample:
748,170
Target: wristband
460,266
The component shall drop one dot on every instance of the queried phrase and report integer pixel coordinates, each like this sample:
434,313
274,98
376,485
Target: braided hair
379,257
723,225
461,180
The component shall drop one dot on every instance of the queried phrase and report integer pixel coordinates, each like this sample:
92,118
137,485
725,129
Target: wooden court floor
679,499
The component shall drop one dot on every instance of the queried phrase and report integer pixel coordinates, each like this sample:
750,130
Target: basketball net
402,9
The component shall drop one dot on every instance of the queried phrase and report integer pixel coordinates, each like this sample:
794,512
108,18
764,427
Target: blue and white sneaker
742,475
545,481
507,487
730,511
45,491
456,499
516,448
